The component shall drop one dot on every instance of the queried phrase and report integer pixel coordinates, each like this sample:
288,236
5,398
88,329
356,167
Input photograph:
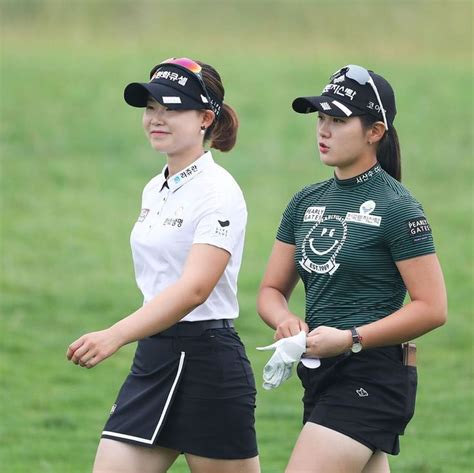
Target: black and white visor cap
173,87
345,97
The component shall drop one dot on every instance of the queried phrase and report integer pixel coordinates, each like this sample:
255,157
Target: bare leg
378,463
119,457
211,465
322,450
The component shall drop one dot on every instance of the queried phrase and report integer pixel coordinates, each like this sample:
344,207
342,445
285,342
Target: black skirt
191,393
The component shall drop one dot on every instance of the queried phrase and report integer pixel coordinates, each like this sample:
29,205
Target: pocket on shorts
302,373
235,366
411,388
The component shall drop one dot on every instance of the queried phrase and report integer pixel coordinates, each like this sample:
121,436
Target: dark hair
222,134
388,149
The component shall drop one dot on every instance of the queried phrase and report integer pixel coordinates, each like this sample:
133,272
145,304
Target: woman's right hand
92,348
290,326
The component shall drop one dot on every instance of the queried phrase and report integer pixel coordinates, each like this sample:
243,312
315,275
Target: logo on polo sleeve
419,229
223,228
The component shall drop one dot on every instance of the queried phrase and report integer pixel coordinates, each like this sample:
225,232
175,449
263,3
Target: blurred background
74,161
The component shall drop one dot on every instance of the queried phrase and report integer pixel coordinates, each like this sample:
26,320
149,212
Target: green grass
74,162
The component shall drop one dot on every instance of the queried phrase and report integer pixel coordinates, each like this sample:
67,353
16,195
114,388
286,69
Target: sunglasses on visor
196,69
362,77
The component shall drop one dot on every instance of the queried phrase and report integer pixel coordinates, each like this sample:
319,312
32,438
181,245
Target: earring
370,142
203,130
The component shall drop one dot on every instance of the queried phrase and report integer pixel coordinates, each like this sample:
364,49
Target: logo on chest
314,214
143,214
322,244
364,216
324,241
176,220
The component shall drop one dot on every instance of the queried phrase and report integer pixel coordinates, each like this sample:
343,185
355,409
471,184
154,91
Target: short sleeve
222,222
286,230
407,230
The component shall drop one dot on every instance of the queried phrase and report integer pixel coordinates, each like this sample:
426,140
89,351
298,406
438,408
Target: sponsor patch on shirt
314,214
143,214
419,229
364,216
366,219
173,222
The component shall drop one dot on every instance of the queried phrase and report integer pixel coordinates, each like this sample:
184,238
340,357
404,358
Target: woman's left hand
323,342
94,347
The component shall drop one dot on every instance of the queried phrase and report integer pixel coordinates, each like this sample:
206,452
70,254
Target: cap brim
327,105
136,94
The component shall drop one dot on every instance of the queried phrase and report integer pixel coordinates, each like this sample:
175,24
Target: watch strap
356,338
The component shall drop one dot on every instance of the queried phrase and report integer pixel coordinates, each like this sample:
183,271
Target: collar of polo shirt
180,178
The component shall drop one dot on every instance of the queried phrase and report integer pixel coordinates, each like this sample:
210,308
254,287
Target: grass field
74,161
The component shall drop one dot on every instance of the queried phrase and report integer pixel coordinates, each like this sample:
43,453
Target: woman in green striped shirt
359,242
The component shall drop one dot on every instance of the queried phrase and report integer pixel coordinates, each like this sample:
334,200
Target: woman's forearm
166,309
272,307
411,321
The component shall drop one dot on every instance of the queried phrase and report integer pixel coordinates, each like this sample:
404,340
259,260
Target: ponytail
388,149
222,134
388,154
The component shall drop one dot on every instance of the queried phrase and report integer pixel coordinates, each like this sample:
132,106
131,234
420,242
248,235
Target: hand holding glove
287,351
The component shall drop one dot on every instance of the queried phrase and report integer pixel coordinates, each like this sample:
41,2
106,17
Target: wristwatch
356,341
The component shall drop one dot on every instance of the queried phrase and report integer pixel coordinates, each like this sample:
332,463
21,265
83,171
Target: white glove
287,351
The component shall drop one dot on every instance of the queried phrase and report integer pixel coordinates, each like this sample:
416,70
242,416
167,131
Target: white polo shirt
200,204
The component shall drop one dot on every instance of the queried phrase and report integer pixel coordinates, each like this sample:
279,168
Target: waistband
194,329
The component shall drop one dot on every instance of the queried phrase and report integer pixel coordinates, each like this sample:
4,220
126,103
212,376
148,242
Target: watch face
356,348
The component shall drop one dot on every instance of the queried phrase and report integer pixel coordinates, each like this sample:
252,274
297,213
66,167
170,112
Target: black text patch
419,229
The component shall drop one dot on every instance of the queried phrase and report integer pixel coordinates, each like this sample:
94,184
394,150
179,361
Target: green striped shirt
348,235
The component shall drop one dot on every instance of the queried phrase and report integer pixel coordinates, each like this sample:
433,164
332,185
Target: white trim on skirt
163,413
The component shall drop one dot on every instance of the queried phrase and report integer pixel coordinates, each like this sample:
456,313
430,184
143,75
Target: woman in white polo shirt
191,389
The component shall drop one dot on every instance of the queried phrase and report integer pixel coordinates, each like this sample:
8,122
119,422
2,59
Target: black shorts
194,394
368,396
